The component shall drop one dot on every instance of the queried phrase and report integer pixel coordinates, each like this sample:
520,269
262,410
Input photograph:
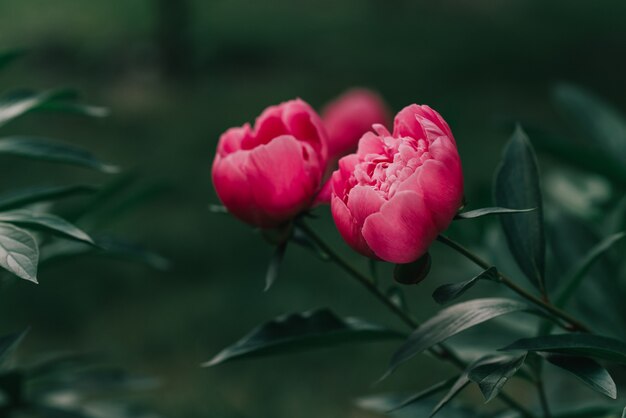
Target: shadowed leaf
588,371
24,197
492,375
19,253
47,222
477,213
447,292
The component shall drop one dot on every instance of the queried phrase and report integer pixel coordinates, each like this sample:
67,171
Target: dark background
178,73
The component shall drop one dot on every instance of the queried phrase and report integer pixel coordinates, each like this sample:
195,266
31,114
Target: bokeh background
177,73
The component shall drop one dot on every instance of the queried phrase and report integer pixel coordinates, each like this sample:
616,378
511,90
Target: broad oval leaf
517,187
24,197
491,375
588,371
447,292
478,213
53,151
46,221
302,331
596,120
19,253
574,344
451,321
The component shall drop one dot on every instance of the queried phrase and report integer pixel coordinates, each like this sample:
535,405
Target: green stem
441,351
573,323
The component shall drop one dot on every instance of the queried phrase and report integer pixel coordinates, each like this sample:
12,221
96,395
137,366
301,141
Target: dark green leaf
76,108
16,104
447,292
380,404
413,273
26,197
456,388
517,186
274,266
107,247
492,375
451,321
594,119
53,151
477,213
302,331
45,221
574,344
580,271
624,413
588,371
8,343
302,239
436,388
19,253
604,411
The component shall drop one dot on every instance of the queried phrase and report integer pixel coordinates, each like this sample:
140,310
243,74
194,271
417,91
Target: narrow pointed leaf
447,292
19,253
451,321
456,388
596,121
16,104
478,213
574,344
492,375
426,393
49,150
25,197
47,222
580,271
274,266
517,187
302,331
588,371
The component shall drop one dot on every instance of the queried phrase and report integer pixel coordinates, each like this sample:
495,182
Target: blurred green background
178,73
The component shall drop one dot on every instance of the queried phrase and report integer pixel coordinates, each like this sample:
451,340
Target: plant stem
573,323
441,351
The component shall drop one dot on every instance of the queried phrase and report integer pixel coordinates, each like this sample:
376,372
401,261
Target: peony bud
268,174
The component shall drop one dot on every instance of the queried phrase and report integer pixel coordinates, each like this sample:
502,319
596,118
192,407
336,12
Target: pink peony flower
349,116
391,199
268,174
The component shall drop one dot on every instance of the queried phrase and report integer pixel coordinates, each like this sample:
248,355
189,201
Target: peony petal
362,202
348,228
405,123
370,143
231,140
284,175
403,229
233,188
442,189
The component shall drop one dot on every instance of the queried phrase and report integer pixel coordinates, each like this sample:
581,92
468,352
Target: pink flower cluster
389,200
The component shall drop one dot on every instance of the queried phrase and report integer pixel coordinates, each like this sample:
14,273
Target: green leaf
53,151
517,186
302,331
456,388
594,119
18,252
413,273
8,343
16,104
45,221
492,375
107,247
24,197
447,292
624,413
580,271
7,57
436,388
574,344
275,262
588,371
477,213
451,321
